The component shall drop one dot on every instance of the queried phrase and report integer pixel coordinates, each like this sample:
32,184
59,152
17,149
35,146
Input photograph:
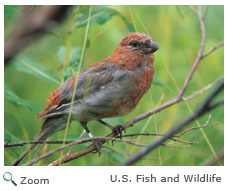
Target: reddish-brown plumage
127,57
109,88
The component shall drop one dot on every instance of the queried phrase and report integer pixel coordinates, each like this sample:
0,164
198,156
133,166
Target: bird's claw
118,130
97,146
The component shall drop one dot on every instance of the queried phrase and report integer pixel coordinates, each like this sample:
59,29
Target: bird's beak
153,46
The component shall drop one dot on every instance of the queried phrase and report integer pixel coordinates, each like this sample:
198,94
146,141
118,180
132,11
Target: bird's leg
107,125
71,149
117,129
95,142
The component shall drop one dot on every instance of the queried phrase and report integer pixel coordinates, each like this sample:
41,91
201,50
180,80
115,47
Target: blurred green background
175,28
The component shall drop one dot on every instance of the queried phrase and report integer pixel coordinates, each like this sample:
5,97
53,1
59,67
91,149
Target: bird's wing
96,78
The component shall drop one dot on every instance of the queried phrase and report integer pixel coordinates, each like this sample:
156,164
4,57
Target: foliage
100,15
72,67
10,95
24,64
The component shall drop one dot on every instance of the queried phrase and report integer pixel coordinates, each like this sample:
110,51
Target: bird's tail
48,128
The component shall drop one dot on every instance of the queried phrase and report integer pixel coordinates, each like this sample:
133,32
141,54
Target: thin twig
174,136
200,52
193,9
6,144
174,147
159,134
35,142
213,49
193,128
100,139
201,91
184,141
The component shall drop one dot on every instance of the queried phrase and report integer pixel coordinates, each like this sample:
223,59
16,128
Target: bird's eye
134,43
147,43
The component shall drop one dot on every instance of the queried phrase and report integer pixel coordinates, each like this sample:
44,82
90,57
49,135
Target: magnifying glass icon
7,176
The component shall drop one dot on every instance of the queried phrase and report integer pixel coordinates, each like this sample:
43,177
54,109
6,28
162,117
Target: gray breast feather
107,94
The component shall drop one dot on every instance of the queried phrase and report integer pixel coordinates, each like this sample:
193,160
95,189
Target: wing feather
90,80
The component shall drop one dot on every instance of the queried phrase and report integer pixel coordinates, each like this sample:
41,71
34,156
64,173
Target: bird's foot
98,145
118,130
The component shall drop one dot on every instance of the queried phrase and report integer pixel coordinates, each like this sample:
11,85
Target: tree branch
119,139
200,52
102,140
73,142
32,25
203,108
176,136
193,128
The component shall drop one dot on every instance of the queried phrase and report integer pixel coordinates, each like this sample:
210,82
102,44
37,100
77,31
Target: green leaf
99,15
118,157
10,95
25,64
75,54
158,82
9,137
129,25
74,59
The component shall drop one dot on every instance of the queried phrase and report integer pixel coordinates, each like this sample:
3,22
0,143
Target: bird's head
139,42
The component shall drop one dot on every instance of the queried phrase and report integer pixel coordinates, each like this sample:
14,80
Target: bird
108,88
